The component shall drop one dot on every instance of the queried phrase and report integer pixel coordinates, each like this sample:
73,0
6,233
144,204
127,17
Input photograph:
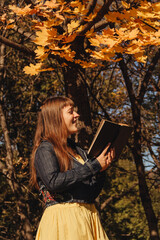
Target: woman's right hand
105,158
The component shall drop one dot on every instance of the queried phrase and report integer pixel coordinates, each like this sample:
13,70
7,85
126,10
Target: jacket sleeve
47,167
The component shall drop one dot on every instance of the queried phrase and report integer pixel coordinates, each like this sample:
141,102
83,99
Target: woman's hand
105,158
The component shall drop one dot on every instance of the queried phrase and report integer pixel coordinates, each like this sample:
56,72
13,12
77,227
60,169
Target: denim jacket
82,183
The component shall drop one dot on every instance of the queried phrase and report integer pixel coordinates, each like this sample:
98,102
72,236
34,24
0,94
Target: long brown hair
51,127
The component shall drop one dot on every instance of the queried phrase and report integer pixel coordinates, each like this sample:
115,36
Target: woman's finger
113,153
106,149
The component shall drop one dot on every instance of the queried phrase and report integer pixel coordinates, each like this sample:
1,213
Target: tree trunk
136,113
143,188
76,90
10,173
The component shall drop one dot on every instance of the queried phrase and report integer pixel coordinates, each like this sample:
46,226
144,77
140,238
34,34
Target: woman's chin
74,131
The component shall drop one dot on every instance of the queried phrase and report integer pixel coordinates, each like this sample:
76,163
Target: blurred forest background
105,56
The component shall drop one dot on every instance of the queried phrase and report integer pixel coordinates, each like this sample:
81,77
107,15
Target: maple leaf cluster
133,30
136,28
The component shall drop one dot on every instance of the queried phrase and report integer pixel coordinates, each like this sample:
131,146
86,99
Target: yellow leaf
10,26
90,33
71,26
133,34
59,16
76,10
69,56
70,38
108,31
21,11
125,5
156,7
10,21
41,53
46,69
64,64
140,57
80,9
42,37
120,32
86,64
51,4
145,14
80,28
118,49
109,42
3,17
52,33
94,42
133,49
97,55
157,34
74,3
90,17
48,24
145,5
32,69
114,17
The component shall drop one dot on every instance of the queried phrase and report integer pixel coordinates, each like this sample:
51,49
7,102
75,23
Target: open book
110,132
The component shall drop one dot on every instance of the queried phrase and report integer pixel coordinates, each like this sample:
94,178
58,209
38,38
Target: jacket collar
78,149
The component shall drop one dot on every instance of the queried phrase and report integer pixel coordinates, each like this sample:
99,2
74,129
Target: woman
68,181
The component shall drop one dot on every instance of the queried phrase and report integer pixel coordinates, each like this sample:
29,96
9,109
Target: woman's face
70,119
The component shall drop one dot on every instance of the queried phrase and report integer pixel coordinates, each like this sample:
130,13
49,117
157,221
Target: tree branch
127,79
100,25
3,168
94,97
148,75
17,46
153,156
91,6
9,157
27,35
99,16
116,198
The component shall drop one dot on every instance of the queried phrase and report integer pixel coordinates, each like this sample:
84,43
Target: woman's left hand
106,157
110,156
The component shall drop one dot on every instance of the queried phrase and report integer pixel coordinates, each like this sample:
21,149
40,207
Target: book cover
110,132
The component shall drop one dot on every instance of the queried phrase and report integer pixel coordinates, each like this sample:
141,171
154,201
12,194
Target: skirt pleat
71,221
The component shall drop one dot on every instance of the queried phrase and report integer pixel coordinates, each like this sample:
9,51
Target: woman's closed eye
71,111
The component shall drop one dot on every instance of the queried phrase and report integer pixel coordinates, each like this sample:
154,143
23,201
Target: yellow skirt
71,221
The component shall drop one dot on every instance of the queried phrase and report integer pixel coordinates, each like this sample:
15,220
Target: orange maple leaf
42,37
51,4
125,5
70,38
32,69
21,11
73,25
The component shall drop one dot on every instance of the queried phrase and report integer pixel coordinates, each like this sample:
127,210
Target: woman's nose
76,115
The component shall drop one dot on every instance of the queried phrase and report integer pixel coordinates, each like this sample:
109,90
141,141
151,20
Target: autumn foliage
104,54
106,31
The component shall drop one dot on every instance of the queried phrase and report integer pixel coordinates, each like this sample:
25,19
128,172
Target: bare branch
127,79
27,35
94,97
155,159
17,46
116,198
148,75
